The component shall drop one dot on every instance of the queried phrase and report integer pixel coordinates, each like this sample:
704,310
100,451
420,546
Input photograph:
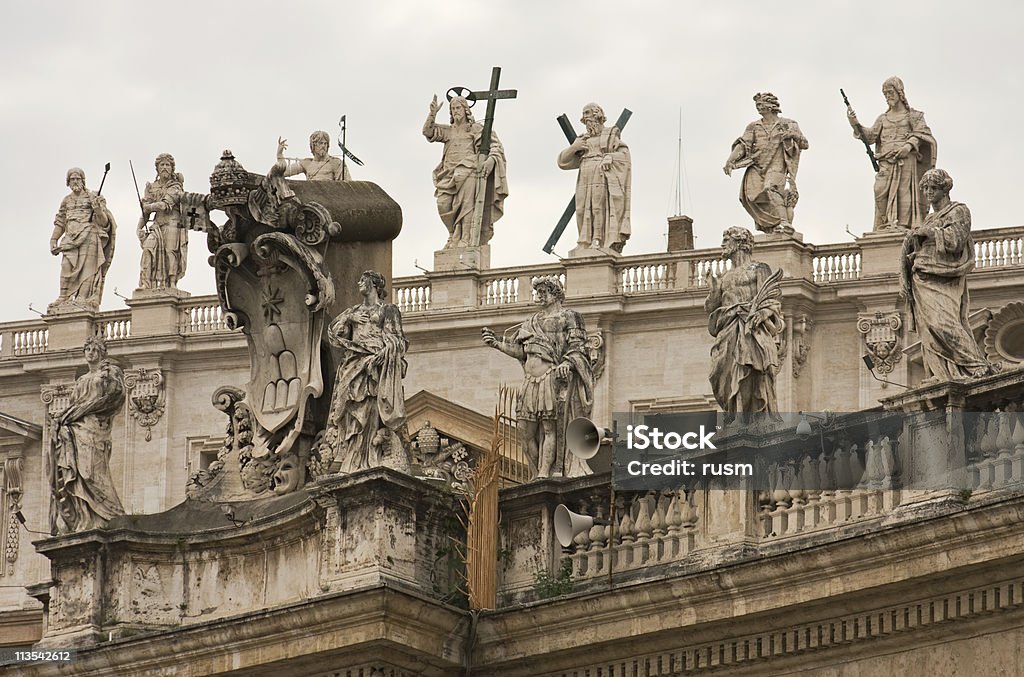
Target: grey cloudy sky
87,83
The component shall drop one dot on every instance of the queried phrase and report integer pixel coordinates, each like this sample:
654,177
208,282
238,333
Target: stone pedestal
202,561
932,453
454,289
463,258
590,276
785,251
69,330
881,252
581,252
155,311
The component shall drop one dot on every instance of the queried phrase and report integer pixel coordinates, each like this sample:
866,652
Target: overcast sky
90,82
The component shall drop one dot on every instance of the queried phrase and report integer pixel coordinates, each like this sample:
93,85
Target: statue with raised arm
558,384
937,256
320,167
905,149
604,183
770,150
83,234
164,239
79,456
745,317
456,176
366,422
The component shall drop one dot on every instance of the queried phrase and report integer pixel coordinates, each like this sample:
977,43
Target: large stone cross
485,185
570,209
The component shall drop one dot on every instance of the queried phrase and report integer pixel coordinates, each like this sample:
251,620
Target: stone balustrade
649,528
27,337
855,474
995,451
836,263
852,476
998,247
201,316
829,264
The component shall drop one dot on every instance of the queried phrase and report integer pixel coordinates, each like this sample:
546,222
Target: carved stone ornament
146,397
596,351
273,284
881,331
1004,337
439,458
56,397
802,326
10,504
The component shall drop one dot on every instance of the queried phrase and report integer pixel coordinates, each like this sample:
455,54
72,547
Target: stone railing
813,493
513,285
412,294
836,263
201,315
996,452
648,528
114,326
999,247
649,273
702,270
28,337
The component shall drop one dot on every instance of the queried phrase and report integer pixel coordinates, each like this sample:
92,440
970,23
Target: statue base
463,258
887,231
581,252
777,235
71,307
160,292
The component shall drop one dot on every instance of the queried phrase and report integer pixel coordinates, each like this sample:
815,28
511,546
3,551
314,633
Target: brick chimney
680,233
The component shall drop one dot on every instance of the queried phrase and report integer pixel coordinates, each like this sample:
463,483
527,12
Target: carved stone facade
671,545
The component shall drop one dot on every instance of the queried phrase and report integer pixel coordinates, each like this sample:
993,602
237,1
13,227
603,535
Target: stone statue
745,317
937,256
368,407
905,150
79,457
320,167
83,232
770,150
461,173
603,185
559,381
165,240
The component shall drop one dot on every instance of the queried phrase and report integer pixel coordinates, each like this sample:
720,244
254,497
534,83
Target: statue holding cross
470,182
603,185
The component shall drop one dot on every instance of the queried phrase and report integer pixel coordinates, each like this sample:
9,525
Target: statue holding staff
904,150
83,234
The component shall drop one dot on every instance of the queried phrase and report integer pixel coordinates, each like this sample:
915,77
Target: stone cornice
332,631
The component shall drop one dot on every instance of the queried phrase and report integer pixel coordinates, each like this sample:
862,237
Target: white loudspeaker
583,438
569,523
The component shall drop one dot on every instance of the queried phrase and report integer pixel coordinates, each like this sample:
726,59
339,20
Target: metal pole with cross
485,184
570,209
